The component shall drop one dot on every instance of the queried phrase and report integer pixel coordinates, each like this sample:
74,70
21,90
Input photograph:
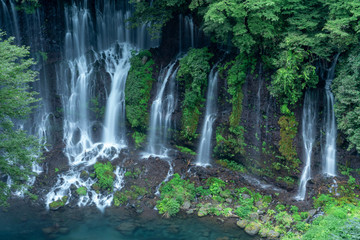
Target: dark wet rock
242,223
252,228
84,175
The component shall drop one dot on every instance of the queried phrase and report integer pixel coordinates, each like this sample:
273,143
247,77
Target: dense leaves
346,88
193,72
137,90
18,150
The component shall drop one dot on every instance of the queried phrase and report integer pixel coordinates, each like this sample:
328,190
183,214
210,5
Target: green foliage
294,209
186,150
231,165
135,174
173,195
157,13
193,74
288,131
137,90
280,207
294,75
139,138
58,203
105,175
245,23
230,142
346,88
322,200
237,71
81,191
28,6
122,197
18,149
168,206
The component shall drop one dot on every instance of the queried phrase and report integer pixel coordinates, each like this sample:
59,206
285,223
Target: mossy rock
242,223
81,191
252,228
263,232
203,211
273,234
55,205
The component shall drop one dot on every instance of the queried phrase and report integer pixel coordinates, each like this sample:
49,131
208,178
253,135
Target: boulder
242,223
263,232
186,205
203,211
273,234
254,216
252,228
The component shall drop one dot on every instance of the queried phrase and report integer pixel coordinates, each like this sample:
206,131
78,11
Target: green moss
288,130
185,150
193,75
137,90
105,175
58,203
81,191
231,165
139,138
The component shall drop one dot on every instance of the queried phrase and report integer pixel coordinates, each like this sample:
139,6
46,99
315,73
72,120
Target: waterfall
97,55
329,147
161,110
117,67
310,111
204,152
188,32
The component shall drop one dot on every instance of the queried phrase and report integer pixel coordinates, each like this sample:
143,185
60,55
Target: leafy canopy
18,150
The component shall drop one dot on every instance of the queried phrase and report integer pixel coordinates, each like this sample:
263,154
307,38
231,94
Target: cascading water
117,67
78,82
329,147
161,111
310,110
204,152
188,33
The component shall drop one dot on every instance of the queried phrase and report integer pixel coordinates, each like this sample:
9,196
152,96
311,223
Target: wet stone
242,223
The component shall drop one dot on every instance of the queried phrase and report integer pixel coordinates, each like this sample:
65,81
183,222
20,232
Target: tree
346,88
18,150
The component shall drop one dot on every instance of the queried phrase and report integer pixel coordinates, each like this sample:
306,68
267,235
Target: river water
33,223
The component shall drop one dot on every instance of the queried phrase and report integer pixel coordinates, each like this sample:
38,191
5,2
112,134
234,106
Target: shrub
173,194
105,175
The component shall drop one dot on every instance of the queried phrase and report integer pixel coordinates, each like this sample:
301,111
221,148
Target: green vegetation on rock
81,191
104,174
193,75
137,90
